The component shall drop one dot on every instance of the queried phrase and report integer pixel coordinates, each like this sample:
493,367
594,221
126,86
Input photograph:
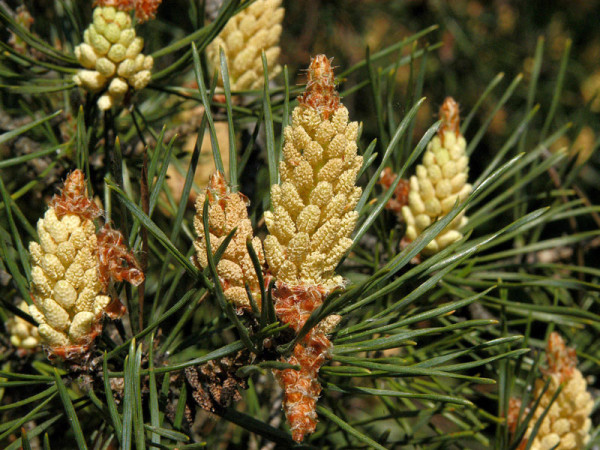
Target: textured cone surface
228,210
294,305
245,36
112,58
313,212
66,287
310,226
440,182
22,333
68,276
301,387
567,423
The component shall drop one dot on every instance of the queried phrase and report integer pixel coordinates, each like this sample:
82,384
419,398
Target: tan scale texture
567,423
112,58
310,225
255,29
228,210
439,183
72,267
313,207
22,333
66,288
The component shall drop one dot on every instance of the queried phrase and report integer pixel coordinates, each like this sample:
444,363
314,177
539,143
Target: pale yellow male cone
66,287
71,270
310,225
567,423
228,210
313,212
440,182
245,36
112,57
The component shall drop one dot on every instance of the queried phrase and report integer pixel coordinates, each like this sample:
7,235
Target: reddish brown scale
146,9
514,406
68,352
561,359
115,260
74,199
301,387
450,117
400,197
320,93
115,309
294,305
217,186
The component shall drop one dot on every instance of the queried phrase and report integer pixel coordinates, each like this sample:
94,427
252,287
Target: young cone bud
440,182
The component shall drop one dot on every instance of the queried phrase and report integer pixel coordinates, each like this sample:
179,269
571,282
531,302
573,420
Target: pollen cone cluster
313,206
228,210
245,36
69,277
567,423
440,181
23,334
112,58
310,226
